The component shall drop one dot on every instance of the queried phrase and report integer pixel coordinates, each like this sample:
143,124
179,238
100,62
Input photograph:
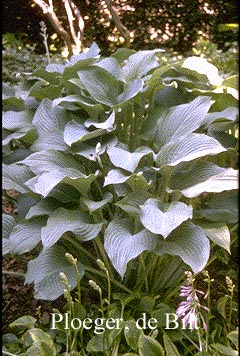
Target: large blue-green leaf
229,115
122,246
131,203
217,232
43,207
8,223
107,125
163,218
130,90
26,235
116,176
15,177
202,66
223,207
135,181
46,161
78,101
91,53
189,242
188,148
47,117
139,64
101,85
75,132
112,66
48,180
50,140
63,220
26,134
177,121
129,161
194,178
45,271
96,205
13,120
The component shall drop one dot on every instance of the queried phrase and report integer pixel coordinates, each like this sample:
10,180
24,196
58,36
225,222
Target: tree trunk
74,39
122,29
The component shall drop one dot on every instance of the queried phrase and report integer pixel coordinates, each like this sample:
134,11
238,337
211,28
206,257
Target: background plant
175,26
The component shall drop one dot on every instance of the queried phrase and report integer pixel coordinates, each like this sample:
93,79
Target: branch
56,24
122,29
71,9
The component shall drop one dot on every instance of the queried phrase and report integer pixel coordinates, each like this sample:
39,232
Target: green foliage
225,61
18,59
128,336
101,151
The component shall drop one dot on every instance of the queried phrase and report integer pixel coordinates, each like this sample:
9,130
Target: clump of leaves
111,158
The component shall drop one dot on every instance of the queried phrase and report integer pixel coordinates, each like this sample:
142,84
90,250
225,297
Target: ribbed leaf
190,243
163,218
101,85
43,207
139,64
45,270
91,53
181,120
107,125
96,205
227,180
25,236
48,180
136,181
218,233
48,117
14,177
55,68
122,246
132,334
112,66
125,159
224,207
231,82
194,178
225,350
26,134
46,161
148,346
169,346
201,65
63,220
131,89
42,343
13,120
51,140
8,223
229,114
115,176
131,203
75,132
188,148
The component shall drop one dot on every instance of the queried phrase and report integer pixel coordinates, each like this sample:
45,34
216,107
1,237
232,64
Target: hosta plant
124,158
